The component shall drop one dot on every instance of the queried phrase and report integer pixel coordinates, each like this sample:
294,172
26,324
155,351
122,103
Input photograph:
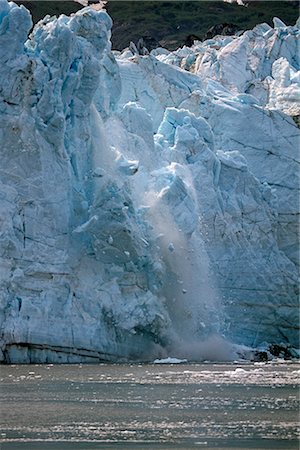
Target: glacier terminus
149,205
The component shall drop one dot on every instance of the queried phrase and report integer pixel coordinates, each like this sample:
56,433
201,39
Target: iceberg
148,204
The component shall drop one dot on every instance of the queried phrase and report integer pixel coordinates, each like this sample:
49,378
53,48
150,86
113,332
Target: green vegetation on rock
168,24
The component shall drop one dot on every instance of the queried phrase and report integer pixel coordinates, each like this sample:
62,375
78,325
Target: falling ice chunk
128,167
145,242
171,247
127,253
87,225
110,240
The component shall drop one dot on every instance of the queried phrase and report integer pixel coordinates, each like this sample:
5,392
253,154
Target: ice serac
145,210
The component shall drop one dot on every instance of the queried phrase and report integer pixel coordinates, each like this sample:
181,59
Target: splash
191,297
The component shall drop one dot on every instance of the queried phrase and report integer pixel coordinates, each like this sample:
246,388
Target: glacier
149,204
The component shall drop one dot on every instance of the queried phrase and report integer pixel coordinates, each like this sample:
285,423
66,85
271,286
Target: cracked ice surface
148,203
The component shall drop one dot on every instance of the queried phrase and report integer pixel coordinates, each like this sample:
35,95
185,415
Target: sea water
150,406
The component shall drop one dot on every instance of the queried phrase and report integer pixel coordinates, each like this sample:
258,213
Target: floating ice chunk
170,360
240,370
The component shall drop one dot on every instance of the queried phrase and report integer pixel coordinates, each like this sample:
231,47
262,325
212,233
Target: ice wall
249,79
142,205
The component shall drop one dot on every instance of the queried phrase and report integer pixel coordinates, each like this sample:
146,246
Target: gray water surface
246,406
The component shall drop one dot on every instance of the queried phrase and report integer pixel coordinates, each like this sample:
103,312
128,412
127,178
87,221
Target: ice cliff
148,204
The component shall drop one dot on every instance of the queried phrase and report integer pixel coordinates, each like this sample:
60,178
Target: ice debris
169,360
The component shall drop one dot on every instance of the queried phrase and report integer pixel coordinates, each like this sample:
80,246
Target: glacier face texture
148,204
